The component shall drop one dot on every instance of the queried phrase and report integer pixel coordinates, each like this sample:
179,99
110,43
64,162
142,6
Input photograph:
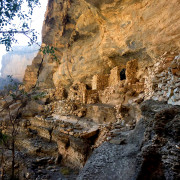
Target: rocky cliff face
147,152
94,37
15,62
113,96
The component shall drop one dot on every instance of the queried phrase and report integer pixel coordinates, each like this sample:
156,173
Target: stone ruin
81,118
127,86
162,82
99,82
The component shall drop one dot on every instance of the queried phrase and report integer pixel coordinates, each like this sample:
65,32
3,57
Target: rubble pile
162,82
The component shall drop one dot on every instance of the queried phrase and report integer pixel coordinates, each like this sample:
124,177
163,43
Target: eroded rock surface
93,37
113,92
150,151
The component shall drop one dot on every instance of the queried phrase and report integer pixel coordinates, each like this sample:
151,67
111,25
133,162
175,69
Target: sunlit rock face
94,36
114,85
15,62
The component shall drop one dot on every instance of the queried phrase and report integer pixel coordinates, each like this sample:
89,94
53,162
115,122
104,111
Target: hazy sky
37,21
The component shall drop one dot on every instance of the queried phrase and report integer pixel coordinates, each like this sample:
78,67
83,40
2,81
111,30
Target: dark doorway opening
123,74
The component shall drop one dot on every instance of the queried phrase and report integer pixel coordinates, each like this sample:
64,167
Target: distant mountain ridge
15,62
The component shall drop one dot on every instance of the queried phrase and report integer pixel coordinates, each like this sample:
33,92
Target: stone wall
131,70
159,81
163,80
114,77
100,82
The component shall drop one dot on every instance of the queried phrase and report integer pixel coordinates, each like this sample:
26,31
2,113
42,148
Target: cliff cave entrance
123,74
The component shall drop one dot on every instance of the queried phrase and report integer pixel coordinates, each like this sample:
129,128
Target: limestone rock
126,161
161,85
111,57
33,108
94,37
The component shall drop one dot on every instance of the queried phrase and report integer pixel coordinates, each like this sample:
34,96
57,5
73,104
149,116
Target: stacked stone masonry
79,119
162,82
100,82
159,82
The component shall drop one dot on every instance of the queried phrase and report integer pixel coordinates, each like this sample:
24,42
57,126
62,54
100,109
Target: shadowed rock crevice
152,168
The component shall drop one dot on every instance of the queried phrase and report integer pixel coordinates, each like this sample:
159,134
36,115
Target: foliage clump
12,12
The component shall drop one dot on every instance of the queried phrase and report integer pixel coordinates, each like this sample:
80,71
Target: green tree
11,12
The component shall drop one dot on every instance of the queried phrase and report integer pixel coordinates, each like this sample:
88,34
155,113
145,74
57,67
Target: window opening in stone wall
123,74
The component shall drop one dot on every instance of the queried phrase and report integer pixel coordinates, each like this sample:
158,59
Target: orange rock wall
92,37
